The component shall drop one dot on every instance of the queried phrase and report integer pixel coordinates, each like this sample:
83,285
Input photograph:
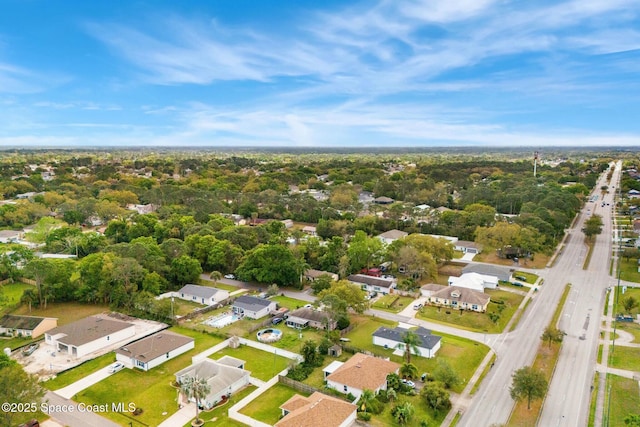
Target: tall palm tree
408,370
215,276
196,388
409,344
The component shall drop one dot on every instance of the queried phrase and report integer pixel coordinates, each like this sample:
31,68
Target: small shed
335,350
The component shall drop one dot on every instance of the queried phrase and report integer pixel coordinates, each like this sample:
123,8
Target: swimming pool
221,320
269,335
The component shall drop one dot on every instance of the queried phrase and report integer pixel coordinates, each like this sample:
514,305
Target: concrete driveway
72,389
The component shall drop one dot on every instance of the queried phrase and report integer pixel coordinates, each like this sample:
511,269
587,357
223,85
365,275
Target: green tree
364,251
403,413
410,342
592,226
529,384
310,353
196,388
369,403
348,292
435,396
17,386
552,334
271,264
321,283
408,370
629,303
185,270
632,420
446,374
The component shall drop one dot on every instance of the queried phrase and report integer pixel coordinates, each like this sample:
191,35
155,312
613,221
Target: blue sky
319,73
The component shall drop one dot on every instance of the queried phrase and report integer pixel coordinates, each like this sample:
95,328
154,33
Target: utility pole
535,163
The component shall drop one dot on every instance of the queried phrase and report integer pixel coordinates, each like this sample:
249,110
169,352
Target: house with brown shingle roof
308,317
361,372
154,350
460,299
317,410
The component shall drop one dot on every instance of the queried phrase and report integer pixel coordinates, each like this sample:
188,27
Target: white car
116,367
417,306
409,383
229,276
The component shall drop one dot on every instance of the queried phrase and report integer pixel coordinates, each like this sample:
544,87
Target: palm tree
410,341
408,370
215,276
366,398
196,388
403,413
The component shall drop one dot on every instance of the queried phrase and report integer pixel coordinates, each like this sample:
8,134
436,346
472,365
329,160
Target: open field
632,328
488,255
66,312
288,302
629,270
261,364
12,292
266,407
399,303
627,358
619,307
623,400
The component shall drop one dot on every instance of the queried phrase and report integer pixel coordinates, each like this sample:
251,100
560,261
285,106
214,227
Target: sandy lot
46,361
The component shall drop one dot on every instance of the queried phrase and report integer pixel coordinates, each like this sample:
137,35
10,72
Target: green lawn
266,407
152,390
619,307
463,355
632,328
219,285
531,278
12,292
291,338
473,321
399,303
290,303
624,399
629,270
261,364
627,358
69,377
422,413
182,307
220,414
66,312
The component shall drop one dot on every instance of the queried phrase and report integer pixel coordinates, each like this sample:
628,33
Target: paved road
492,403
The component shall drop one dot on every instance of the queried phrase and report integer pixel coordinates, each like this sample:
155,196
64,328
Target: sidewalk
181,417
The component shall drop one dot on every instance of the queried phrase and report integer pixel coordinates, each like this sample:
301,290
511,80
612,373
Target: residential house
310,230
312,275
88,335
475,281
253,307
306,317
142,209
154,350
429,289
361,372
288,223
202,294
223,376
467,247
373,284
460,298
10,236
391,236
383,200
502,273
26,326
427,347
317,410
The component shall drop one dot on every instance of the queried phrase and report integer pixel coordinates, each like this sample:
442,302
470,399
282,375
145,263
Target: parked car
229,276
116,367
418,306
276,320
28,351
524,279
409,383
518,284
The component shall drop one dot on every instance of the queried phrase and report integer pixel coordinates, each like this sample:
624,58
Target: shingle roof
317,273
308,314
199,291
427,340
393,234
20,322
370,280
501,273
364,372
218,376
153,346
88,329
466,295
317,410
247,302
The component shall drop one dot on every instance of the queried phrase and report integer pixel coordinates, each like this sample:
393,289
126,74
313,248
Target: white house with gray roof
202,294
502,273
253,307
428,346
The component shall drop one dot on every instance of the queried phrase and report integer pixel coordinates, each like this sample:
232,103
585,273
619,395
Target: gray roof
88,329
153,346
20,322
247,302
218,376
502,273
427,340
468,296
199,291
393,234
370,280
308,314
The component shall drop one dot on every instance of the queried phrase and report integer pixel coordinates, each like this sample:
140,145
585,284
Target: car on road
116,367
28,351
229,276
417,306
409,383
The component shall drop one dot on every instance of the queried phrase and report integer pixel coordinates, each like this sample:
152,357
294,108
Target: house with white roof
202,294
475,281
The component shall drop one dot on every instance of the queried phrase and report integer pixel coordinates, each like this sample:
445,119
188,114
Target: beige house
317,410
361,372
306,317
26,326
460,299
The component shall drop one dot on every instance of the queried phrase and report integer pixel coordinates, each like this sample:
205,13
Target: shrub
364,416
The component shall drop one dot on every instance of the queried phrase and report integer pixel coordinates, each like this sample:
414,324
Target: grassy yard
261,364
219,285
152,390
531,278
629,270
627,358
489,255
624,399
479,322
66,312
422,413
266,407
220,414
12,292
291,338
290,303
392,303
463,355
619,307
182,307
632,328
69,377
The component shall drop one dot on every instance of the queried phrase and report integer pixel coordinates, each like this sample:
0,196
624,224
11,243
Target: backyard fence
297,385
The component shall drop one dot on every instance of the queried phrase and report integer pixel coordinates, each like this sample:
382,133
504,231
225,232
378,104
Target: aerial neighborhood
324,291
